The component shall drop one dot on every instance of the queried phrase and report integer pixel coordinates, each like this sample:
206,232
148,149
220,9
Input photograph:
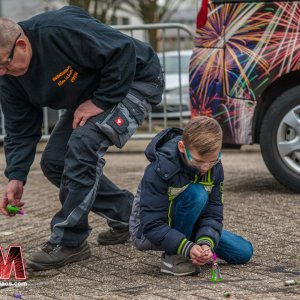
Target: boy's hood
159,141
163,151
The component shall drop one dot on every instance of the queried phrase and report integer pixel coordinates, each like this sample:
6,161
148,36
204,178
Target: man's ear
181,147
21,43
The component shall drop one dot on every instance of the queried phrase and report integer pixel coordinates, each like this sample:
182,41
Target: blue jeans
189,205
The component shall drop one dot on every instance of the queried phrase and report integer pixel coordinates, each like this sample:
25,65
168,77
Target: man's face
16,59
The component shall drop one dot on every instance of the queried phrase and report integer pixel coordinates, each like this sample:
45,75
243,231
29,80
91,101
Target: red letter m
12,262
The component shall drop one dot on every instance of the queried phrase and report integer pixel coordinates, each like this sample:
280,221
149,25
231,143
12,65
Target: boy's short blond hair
203,134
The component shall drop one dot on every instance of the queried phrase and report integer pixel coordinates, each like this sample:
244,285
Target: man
106,82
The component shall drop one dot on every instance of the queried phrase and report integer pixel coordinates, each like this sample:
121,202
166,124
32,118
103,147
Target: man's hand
85,111
200,255
13,196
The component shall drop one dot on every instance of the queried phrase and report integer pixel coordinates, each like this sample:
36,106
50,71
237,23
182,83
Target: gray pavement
256,206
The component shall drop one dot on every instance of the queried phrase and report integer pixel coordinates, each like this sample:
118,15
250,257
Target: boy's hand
200,255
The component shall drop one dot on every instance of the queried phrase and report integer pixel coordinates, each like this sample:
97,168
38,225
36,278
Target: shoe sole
106,243
83,254
114,242
179,274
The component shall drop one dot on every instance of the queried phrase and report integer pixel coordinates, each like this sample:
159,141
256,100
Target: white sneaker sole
179,274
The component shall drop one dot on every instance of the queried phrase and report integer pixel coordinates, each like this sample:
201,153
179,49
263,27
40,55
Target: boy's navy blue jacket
169,169
74,58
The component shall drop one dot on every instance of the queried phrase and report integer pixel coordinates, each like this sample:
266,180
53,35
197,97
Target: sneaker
178,265
113,236
55,256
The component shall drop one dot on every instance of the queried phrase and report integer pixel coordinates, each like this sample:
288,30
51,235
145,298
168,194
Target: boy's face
202,162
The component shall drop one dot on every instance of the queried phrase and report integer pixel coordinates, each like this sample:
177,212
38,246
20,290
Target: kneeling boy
178,207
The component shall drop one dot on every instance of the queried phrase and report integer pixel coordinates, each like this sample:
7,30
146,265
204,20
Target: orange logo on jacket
62,77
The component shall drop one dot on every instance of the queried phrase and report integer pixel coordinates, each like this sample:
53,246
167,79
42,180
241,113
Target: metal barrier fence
174,109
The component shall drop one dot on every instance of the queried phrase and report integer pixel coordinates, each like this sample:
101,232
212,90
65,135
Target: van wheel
280,139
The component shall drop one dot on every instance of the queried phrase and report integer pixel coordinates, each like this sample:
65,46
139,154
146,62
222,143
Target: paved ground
256,206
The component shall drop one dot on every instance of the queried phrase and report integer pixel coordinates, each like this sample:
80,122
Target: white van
176,96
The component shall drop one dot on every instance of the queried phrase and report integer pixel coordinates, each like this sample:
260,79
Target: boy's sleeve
210,222
154,216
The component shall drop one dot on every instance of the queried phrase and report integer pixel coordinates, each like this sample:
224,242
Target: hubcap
288,139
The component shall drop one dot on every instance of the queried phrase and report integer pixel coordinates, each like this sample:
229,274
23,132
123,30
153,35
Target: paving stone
256,206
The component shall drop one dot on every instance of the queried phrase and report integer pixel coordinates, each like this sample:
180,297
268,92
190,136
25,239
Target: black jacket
75,58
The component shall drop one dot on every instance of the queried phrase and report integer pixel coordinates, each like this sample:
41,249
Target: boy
178,207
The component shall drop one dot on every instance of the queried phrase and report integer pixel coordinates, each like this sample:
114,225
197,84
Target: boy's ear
181,146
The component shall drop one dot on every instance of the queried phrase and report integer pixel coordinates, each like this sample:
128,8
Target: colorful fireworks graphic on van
241,51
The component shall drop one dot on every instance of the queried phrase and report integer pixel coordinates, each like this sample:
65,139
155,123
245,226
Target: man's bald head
8,32
15,49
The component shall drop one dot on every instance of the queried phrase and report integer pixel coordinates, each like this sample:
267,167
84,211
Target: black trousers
73,160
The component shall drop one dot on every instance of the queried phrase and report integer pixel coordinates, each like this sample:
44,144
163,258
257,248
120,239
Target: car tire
280,139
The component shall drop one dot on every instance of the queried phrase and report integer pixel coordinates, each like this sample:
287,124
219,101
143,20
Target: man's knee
52,168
